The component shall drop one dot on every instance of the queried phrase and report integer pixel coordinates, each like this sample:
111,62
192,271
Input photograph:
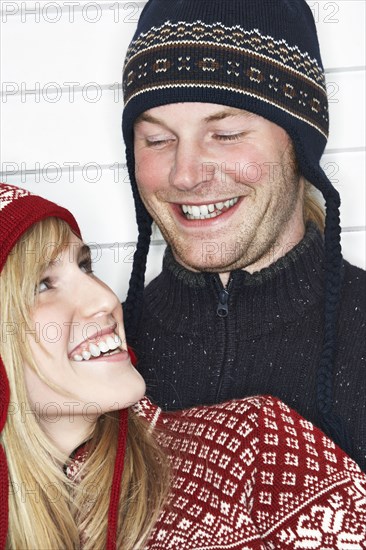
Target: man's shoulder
354,289
354,274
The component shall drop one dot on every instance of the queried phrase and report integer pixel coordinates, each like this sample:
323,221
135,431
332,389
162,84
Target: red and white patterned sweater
253,474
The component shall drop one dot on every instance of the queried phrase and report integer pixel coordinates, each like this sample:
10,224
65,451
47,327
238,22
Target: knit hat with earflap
19,210
258,55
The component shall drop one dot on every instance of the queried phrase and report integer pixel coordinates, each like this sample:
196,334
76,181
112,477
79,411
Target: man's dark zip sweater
200,344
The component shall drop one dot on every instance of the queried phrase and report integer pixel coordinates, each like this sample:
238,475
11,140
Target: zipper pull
223,308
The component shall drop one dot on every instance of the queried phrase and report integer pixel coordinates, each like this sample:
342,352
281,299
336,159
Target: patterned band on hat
230,60
19,209
9,193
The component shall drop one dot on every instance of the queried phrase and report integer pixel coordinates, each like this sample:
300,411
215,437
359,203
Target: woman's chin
131,395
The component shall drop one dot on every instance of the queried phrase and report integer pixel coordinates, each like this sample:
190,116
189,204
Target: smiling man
225,122
220,183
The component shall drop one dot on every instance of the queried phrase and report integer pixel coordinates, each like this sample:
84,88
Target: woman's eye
43,285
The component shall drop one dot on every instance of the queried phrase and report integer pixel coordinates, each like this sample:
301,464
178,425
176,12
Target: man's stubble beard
259,241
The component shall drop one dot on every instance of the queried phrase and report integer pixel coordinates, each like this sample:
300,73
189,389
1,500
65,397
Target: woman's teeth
95,350
207,211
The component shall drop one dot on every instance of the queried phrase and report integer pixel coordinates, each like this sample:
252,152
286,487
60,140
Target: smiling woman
86,317
53,308
92,464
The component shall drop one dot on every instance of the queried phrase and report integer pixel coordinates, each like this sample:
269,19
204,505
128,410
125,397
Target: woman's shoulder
256,458
237,409
230,425
222,414
264,424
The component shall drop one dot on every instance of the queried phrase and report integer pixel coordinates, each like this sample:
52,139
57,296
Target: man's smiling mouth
207,211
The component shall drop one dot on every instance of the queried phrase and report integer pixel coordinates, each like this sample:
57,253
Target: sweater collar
186,301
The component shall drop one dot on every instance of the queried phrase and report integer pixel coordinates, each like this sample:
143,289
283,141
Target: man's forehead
208,112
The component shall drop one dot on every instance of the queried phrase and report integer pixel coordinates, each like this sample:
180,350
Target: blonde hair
313,209
46,509
313,203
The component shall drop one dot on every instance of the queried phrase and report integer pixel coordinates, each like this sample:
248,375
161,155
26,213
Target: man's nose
189,167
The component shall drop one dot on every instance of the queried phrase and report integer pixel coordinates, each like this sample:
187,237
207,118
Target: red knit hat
19,210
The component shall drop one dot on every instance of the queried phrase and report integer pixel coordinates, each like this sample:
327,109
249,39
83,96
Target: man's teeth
207,211
95,350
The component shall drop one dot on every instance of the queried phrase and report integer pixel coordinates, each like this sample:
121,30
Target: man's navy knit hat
258,55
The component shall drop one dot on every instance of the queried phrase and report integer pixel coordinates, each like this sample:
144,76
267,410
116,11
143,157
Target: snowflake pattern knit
253,474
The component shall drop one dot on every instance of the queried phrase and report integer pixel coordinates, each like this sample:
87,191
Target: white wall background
61,106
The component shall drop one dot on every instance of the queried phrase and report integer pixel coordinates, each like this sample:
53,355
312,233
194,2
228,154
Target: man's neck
276,251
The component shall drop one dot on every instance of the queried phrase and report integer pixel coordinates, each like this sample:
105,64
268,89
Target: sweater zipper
222,311
223,305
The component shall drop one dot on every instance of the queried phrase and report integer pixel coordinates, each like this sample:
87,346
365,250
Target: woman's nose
189,167
95,298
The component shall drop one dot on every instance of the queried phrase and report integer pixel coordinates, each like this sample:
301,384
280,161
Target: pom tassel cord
116,482
4,495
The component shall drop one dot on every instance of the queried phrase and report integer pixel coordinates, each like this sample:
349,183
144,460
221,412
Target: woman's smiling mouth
107,346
